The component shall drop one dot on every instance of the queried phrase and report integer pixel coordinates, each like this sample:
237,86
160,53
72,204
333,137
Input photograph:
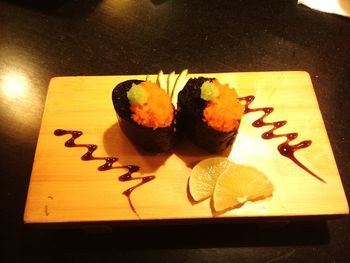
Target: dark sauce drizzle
108,165
285,148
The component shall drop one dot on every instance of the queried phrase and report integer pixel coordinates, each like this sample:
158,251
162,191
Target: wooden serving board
63,188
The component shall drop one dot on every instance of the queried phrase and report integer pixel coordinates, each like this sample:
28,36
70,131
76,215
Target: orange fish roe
157,111
225,111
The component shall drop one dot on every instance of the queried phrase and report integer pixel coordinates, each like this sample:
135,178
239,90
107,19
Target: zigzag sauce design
108,165
284,148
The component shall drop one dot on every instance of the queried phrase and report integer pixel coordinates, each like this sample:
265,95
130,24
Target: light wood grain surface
63,188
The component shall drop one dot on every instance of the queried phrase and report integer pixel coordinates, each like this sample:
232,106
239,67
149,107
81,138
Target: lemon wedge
229,184
239,184
204,176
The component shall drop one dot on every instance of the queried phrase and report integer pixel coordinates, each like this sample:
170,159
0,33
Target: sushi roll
209,113
145,115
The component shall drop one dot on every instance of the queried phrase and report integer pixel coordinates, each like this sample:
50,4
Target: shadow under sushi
117,144
191,154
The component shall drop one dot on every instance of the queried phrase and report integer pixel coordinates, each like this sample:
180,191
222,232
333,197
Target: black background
44,39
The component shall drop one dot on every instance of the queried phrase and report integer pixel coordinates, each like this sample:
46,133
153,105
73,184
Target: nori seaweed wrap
192,122
159,139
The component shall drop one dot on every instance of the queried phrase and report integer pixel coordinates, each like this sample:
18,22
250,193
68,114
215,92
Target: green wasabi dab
137,94
209,91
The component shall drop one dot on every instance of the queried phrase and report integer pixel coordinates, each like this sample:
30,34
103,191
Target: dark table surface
43,39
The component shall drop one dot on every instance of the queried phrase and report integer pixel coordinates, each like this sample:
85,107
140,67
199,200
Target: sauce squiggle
108,165
285,148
